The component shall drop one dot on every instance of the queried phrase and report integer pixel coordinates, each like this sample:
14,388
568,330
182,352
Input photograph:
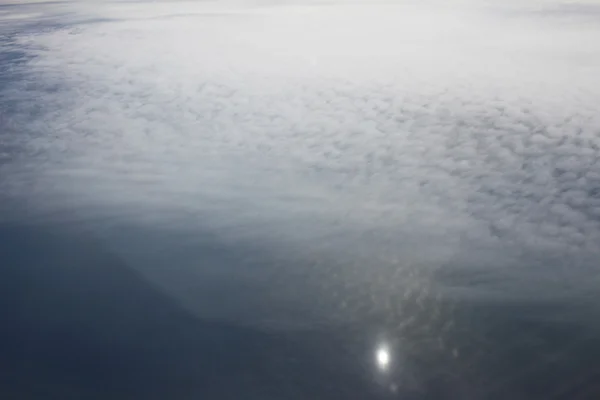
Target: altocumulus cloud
464,119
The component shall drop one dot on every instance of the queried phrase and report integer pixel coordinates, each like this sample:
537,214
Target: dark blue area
78,323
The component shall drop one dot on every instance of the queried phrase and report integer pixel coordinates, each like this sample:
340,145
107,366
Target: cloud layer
398,132
494,117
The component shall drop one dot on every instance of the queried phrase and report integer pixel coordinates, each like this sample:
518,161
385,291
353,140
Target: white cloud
447,125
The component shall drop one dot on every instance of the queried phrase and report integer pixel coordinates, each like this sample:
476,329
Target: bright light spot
382,357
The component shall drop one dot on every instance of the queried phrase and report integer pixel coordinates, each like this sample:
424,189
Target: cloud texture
401,129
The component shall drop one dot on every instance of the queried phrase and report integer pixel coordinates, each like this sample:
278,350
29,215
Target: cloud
395,134
496,121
